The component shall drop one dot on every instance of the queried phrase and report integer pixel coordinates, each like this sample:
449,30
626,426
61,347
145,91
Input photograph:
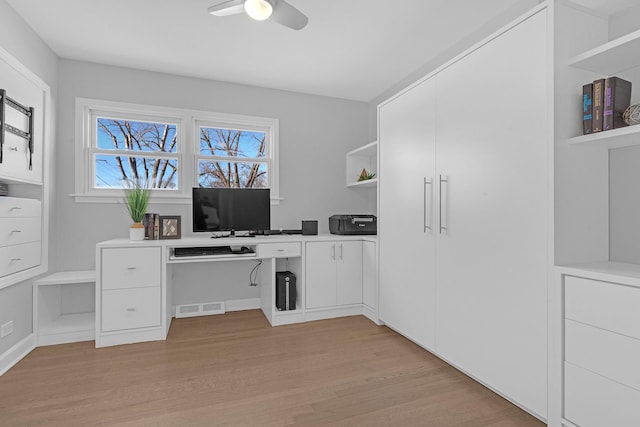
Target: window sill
171,200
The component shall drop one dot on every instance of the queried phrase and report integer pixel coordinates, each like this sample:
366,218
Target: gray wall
315,134
21,42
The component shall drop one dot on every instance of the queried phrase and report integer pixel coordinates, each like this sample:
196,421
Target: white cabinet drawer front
606,353
18,207
19,257
279,250
605,305
130,268
130,309
591,400
14,231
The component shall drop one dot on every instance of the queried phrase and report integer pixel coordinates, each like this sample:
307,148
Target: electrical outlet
6,329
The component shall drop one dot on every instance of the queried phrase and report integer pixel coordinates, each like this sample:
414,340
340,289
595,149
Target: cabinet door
406,219
369,275
349,273
320,279
492,258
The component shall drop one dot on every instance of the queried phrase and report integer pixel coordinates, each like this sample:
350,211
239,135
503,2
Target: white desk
134,291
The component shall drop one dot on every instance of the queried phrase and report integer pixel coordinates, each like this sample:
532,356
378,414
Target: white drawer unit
17,258
19,207
279,250
592,400
14,231
601,352
125,309
130,267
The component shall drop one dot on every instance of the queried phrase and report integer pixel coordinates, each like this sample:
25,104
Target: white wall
21,42
624,167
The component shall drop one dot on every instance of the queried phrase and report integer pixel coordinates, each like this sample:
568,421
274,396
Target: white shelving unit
365,157
608,59
53,322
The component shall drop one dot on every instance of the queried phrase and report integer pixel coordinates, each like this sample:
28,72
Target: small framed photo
169,227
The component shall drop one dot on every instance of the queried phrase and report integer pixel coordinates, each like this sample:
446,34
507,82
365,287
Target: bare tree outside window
136,151
232,158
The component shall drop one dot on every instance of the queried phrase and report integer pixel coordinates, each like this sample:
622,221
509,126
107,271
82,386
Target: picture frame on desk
169,227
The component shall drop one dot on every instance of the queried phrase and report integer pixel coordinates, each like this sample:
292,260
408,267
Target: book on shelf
587,108
151,226
598,105
617,97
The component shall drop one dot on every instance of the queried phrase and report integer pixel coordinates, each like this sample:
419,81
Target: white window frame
188,149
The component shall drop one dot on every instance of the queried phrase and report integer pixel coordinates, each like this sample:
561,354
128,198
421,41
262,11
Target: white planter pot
136,232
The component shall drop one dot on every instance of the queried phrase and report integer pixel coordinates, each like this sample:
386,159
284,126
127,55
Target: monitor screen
231,209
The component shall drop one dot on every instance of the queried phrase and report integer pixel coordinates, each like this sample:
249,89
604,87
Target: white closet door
407,167
492,258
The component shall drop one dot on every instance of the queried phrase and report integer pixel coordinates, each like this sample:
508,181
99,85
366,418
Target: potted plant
136,199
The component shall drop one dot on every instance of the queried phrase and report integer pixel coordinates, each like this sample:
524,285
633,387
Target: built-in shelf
51,323
364,157
367,183
615,138
612,57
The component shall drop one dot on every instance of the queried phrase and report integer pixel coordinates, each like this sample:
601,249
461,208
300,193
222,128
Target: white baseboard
242,304
16,353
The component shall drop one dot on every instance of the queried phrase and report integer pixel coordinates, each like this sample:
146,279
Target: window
134,150
172,150
233,158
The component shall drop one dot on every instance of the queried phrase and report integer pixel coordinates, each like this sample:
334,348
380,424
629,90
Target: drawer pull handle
16,231
16,208
131,268
280,250
13,149
131,309
16,259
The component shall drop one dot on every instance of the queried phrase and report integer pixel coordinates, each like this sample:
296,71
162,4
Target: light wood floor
236,370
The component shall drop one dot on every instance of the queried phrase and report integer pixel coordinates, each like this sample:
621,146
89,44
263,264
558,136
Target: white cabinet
129,295
407,222
464,212
333,274
370,278
601,346
20,234
25,104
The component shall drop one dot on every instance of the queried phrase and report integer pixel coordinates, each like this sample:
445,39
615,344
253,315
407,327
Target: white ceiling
353,49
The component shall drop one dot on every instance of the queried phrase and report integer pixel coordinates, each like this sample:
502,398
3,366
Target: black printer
353,224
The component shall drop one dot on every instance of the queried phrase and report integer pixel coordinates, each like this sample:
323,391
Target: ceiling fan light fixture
258,9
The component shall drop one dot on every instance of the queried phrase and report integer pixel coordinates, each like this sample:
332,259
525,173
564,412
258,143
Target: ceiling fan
276,10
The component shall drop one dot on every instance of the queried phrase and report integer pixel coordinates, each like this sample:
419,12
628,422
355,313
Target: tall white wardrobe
464,213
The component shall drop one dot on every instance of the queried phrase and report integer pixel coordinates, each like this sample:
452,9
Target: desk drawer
130,267
606,353
130,308
279,250
591,400
11,207
605,305
16,258
14,231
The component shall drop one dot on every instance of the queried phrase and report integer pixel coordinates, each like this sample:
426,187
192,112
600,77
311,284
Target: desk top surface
234,241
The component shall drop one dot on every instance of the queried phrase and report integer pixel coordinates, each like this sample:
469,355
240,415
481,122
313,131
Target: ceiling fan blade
287,15
227,7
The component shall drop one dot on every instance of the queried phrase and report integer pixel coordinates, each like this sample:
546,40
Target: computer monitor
231,209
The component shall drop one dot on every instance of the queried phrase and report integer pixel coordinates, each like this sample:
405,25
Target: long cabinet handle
333,251
341,252
443,204
428,200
